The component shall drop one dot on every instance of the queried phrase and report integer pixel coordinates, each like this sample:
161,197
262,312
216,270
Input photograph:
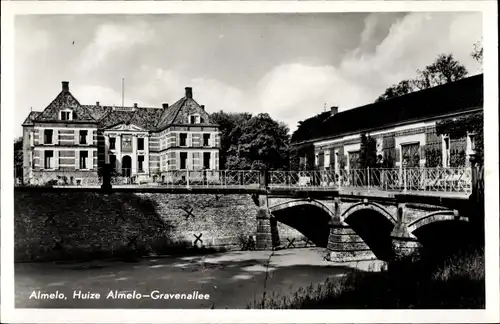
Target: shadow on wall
87,225
375,230
309,220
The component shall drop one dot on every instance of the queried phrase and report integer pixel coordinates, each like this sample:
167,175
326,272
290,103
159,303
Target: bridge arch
373,224
309,217
437,216
442,232
301,202
369,206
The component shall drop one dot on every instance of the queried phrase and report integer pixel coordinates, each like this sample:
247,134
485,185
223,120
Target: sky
291,66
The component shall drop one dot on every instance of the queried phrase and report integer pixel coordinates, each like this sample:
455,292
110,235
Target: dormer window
194,119
66,115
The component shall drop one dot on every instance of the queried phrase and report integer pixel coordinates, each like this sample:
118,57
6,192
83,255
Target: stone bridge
357,227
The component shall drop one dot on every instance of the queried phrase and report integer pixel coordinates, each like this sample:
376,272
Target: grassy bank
455,282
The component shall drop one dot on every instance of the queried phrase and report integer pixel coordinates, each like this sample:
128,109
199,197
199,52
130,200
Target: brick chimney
164,105
97,104
65,86
202,107
135,104
334,110
189,92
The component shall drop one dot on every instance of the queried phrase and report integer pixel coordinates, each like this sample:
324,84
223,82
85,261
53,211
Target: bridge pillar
343,243
404,244
264,234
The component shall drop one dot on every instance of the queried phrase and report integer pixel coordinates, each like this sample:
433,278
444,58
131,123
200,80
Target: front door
126,166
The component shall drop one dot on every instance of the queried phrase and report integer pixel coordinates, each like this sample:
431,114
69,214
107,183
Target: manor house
75,141
404,129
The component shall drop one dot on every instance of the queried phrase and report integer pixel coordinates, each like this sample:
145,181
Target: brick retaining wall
75,225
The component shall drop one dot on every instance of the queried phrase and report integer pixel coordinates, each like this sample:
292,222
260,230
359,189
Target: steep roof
65,100
438,101
29,120
151,119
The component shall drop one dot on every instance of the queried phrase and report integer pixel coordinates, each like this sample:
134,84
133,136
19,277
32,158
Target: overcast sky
289,65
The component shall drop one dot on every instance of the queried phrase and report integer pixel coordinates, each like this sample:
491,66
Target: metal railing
395,179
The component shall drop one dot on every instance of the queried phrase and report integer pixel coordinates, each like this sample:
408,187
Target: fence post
263,179
404,179
368,176
187,176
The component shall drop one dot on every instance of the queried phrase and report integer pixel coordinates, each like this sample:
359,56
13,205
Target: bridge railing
395,179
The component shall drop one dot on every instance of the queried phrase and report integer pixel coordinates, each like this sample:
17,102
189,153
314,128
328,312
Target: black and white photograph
249,161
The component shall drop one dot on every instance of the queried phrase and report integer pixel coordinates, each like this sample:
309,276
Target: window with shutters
48,159
83,136
83,159
183,139
47,136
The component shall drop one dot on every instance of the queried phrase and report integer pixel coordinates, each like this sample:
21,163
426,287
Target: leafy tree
18,156
259,143
227,123
443,70
368,152
396,90
252,142
477,53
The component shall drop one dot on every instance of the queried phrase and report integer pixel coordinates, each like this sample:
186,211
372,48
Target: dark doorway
206,160
183,157
127,166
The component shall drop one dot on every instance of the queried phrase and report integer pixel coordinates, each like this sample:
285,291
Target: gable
65,102
190,107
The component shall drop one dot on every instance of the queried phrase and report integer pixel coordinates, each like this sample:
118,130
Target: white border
490,41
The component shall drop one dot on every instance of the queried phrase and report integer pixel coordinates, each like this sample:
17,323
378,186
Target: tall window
206,139
206,160
127,143
48,159
47,136
112,143
354,160
140,143
410,155
183,157
83,137
183,139
83,159
140,163
65,115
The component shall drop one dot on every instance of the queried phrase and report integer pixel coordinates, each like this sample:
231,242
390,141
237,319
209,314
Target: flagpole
123,91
